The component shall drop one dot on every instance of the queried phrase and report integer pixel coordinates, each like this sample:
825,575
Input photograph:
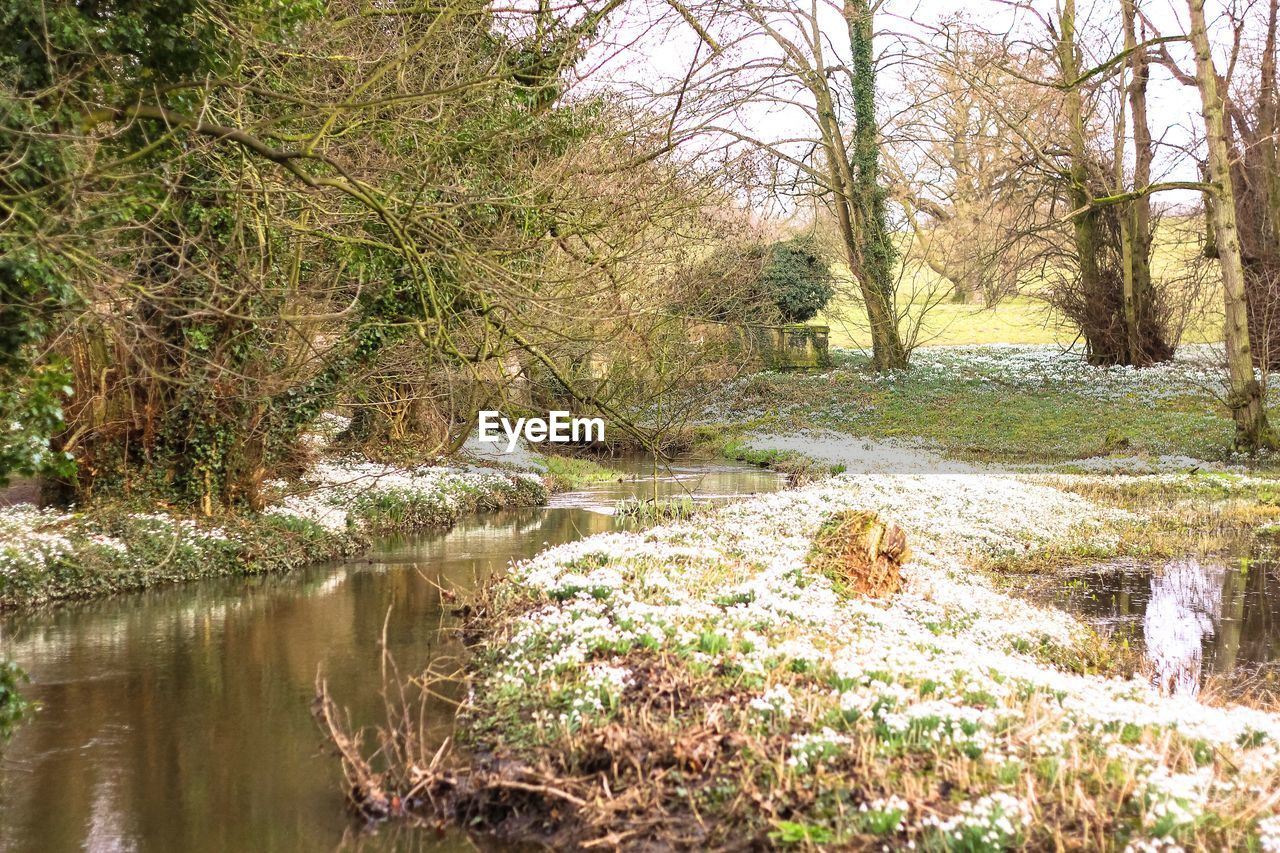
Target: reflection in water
1192,617
1184,608
178,719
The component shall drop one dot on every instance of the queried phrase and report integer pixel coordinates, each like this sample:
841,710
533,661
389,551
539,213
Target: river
179,718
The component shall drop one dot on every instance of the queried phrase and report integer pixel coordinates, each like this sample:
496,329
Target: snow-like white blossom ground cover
353,494
1195,369
49,554
698,680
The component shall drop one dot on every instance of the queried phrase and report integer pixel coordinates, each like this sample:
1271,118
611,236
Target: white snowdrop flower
1269,834
1174,800
775,700
808,750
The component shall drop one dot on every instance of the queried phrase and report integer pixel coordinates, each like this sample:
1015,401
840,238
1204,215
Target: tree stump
861,553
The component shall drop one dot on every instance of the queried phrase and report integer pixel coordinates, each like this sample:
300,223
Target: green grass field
1019,320
1024,319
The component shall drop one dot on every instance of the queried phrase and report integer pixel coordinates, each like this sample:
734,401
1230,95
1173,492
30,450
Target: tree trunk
1085,227
1143,333
874,247
965,286
1244,393
1256,175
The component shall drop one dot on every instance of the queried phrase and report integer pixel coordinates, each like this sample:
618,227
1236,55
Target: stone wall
792,347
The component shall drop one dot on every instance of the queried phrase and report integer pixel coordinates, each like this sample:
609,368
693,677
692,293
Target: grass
1017,320
1023,319
988,404
660,510
796,467
701,686
113,546
576,472
618,698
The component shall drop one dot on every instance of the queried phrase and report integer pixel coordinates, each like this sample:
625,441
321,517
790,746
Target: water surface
1193,617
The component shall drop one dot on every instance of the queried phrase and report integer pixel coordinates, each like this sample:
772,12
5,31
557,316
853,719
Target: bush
797,278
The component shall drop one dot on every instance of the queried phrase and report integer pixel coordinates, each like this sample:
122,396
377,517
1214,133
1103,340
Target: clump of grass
575,472
662,509
799,469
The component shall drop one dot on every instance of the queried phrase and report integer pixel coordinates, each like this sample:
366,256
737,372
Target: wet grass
576,472
1162,517
653,511
796,467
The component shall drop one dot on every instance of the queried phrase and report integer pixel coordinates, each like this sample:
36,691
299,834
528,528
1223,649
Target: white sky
650,48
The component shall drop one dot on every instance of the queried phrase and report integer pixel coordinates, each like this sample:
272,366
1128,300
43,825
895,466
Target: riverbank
703,684
332,511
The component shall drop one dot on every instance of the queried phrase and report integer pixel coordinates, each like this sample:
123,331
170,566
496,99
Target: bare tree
964,182
828,76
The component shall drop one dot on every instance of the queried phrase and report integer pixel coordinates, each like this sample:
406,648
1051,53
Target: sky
650,48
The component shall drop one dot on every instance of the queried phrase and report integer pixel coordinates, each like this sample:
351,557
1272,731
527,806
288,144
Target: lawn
1020,320
1005,403
1023,319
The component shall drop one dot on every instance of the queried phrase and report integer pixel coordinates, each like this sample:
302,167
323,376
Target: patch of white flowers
776,700
949,664
1174,800
333,489
809,750
1269,834
1196,369
341,496
32,538
993,822
884,815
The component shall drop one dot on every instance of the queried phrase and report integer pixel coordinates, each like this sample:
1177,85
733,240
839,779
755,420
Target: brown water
178,718
1192,617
